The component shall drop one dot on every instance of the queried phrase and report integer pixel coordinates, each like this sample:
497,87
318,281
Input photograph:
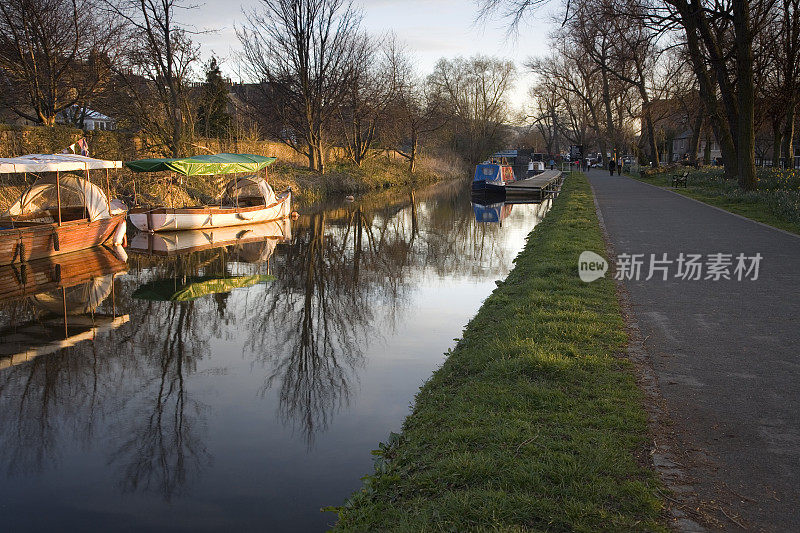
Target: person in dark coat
612,166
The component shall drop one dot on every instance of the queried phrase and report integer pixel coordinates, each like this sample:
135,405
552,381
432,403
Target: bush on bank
534,422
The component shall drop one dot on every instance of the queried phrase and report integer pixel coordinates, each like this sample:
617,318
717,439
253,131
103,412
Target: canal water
205,387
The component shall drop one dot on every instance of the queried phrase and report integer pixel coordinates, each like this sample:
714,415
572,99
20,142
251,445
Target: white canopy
250,186
53,163
91,196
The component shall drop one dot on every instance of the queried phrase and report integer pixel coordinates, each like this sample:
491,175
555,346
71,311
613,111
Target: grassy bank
534,421
383,171
163,188
776,201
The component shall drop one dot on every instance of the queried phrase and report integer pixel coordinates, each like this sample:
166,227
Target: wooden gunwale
32,242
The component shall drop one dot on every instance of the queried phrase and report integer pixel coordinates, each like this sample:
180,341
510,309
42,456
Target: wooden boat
245,200
58,214
491,176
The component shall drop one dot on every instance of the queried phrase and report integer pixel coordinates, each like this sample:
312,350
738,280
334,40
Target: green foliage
212,112
534,422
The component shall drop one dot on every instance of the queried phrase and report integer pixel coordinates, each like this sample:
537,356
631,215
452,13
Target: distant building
92,120
681,147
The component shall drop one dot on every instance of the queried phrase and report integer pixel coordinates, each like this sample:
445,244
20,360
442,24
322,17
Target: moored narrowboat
492,177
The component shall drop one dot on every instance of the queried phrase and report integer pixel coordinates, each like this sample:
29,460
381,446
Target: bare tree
412,113
370,86
475,90
155,70
301,52
54,54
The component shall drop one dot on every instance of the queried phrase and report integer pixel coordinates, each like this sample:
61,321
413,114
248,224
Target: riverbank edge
754,211
535,420
342,178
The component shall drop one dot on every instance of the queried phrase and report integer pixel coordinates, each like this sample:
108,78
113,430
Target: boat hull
489,187
39,241
169,219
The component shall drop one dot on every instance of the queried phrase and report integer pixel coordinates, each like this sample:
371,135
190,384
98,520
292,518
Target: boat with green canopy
244,200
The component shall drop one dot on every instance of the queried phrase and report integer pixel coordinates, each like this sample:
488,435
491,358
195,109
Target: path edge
682,506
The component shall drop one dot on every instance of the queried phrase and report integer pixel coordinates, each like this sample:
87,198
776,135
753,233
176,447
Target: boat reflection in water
253,244
250,408
492,209
496,212
62,294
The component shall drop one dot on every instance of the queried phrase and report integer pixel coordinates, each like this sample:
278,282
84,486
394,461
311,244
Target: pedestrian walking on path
612,165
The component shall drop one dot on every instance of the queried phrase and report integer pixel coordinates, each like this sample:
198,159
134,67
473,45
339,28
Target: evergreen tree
212,113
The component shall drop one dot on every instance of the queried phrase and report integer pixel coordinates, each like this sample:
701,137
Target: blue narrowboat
492,177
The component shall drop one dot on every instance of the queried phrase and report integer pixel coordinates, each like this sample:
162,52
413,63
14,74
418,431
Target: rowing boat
245,200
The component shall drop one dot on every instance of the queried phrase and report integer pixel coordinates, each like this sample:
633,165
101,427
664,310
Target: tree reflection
343,283
165,447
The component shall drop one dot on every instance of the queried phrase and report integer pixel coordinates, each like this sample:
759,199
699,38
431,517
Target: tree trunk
694,143
788,137
708,94
413,159
651,136
777,137
746,95
312,157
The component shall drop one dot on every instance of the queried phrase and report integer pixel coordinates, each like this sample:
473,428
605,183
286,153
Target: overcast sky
432,29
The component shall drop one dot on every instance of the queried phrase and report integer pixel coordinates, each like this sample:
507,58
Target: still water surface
256,399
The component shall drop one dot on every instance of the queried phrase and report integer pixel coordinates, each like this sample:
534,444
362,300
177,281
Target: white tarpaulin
247,185
91,196
53,163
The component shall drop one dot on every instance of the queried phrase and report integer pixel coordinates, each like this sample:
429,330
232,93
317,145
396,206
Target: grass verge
776,202
534,421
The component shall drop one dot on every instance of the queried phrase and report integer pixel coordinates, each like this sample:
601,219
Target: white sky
432,29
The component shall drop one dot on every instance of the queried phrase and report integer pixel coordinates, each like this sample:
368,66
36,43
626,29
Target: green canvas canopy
203,165
166,290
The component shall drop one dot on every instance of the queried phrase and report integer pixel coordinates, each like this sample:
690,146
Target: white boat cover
247,186
53,163
90,196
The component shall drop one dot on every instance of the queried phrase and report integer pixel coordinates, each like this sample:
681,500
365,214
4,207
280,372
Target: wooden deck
546,182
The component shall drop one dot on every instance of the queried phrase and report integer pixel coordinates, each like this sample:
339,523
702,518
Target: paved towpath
726,353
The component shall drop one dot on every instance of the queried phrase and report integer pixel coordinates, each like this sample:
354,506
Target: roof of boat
203,165
53,163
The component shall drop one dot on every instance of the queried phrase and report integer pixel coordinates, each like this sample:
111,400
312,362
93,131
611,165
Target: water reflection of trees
164,445
344,279
343,282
